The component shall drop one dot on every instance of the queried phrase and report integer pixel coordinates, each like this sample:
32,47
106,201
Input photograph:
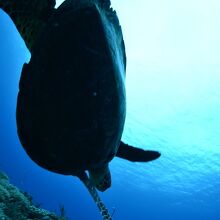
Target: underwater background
173,106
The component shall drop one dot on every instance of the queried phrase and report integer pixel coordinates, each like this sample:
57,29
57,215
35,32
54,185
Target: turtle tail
29,16
104,211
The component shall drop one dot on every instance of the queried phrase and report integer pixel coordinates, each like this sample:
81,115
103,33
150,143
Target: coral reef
17,205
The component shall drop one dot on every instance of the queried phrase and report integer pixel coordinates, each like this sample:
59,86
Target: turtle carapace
71,104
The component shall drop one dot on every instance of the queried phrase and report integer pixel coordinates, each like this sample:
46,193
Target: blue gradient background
173,105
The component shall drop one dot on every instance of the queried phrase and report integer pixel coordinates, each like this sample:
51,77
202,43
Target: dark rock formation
17,205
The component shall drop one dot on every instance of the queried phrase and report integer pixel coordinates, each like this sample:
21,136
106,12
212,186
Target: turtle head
101,178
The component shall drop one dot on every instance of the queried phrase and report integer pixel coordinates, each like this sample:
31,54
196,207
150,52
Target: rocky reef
18,205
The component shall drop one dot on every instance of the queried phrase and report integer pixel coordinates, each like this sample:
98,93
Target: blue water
173,106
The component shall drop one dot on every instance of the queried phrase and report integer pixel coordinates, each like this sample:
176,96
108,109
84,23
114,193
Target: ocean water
173,106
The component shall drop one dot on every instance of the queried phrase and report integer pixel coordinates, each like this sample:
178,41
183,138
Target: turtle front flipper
91,188
29,16
134,154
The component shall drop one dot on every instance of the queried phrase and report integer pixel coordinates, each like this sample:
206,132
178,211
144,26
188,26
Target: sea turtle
71,103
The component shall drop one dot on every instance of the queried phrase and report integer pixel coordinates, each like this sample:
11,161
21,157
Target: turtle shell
71,101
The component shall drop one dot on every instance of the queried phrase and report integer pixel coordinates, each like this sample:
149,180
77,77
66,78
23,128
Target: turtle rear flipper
134,154
101,178
29,16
